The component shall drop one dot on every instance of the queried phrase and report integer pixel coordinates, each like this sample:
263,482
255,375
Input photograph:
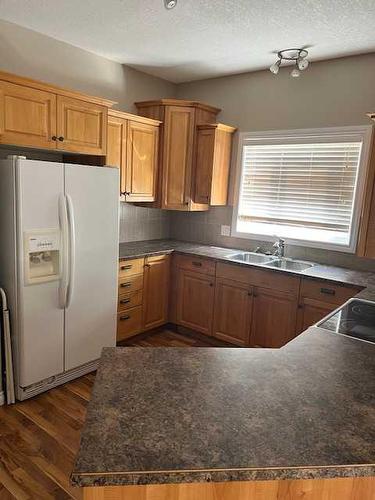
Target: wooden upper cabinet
142,161
116,146
156,291
183,185
366,240
133,143
81,126
45,116
178,155
211,169
232,311
274,318
27,116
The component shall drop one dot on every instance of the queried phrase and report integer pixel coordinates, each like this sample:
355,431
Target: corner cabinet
133,147
194,172
39,115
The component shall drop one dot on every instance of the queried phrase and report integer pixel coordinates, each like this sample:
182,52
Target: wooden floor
39,438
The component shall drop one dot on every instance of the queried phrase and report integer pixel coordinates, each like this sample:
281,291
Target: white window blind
299,190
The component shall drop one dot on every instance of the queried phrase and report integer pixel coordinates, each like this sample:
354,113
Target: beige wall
330,93
34,55
27,53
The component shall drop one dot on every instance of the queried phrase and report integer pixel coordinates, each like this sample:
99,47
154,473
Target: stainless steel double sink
271,261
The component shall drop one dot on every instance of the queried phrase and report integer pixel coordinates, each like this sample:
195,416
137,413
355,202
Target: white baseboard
2,398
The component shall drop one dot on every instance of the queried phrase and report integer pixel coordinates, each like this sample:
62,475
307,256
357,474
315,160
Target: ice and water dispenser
42,255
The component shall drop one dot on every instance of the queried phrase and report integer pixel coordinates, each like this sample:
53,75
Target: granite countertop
171,415
136,249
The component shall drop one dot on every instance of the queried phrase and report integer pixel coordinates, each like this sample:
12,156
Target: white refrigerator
58,266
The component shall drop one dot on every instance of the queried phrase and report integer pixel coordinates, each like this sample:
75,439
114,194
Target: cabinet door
27,116
232,311
311,311
81,126
177,157
155,292
204,164
195,301
142,161
116,147
274,318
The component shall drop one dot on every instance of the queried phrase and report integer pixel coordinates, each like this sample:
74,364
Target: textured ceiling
201,38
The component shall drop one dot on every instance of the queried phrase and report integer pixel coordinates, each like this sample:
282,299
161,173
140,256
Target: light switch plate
225,230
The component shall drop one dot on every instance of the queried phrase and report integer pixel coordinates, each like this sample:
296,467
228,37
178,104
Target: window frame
326,134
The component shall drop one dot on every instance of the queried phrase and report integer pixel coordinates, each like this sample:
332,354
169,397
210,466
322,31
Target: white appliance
58,266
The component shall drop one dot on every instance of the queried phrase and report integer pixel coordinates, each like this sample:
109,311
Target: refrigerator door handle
72,249
63,216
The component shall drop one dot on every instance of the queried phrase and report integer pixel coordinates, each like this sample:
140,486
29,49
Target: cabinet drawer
130,267
129,322
198,264
129,300
258,277
327,292
129,284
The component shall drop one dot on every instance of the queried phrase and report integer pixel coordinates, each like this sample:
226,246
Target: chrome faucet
280,248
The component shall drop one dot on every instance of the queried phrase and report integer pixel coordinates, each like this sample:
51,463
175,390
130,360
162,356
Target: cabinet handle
125,285
54,138
124,301
250,294
61,138
211,284
328,291
197,264
300,306
125,268
124,318
147,265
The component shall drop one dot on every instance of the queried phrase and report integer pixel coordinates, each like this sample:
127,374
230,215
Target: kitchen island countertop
180,415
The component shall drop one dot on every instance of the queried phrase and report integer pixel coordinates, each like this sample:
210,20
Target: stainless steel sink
252,258
290,265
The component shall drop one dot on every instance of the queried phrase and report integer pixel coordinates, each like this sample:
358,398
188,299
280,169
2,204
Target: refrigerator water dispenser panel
42,255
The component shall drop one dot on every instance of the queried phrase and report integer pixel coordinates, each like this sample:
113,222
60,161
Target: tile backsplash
139,223
205,227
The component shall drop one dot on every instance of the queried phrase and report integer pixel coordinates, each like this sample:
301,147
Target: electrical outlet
225,230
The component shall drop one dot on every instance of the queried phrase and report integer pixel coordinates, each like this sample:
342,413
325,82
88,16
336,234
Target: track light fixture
298,56
169,4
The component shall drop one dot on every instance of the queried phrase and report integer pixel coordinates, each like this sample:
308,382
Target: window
304,186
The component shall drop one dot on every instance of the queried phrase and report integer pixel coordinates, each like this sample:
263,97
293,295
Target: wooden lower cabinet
195,301
311,311
274,318
155,291
340,488
318,298
129,322
232,311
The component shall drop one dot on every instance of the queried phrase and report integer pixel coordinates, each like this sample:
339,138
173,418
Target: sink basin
252,258
291,265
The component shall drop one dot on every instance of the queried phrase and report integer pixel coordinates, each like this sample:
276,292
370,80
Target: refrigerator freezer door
41,320
90,315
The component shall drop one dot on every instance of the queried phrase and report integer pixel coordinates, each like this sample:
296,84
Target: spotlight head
302,63
295,73
169,4
275,67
